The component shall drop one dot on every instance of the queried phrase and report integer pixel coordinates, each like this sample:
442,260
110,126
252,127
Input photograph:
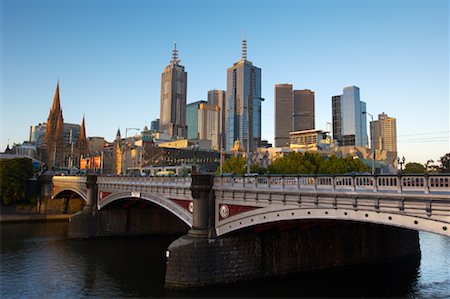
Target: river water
38,261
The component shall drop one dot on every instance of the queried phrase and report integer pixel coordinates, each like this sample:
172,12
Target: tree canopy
14,174
314,163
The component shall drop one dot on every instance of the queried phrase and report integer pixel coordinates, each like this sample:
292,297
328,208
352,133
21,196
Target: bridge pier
201,259
84,224
311,246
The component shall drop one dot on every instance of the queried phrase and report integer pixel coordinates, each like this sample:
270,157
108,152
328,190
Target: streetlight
401,162
371,141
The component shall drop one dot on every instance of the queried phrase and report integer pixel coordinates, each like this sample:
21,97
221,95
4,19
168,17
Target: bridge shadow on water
393,280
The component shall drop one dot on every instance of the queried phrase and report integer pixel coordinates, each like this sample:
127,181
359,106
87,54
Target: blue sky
109,55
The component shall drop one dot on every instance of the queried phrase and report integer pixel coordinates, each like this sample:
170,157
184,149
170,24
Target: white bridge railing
427,184
175,181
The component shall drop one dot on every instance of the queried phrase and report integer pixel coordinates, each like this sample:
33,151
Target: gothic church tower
54,134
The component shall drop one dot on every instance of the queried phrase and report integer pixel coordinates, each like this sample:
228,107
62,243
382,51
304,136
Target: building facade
283,114
294,111
349,121
217,97
384,132
243,103
303,114
208,124
192,119
154,126
173,98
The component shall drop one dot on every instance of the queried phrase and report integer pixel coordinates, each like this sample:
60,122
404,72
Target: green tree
234,164
14,174
414,167
237,165
445,163
314,163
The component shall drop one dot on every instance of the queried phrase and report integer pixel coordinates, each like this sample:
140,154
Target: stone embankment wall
195,262
124,222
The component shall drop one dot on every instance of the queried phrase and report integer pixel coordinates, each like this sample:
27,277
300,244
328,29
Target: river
38,261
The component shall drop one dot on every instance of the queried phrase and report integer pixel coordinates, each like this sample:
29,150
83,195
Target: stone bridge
416,202
251,227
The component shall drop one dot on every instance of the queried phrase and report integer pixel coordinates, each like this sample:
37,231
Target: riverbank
34,218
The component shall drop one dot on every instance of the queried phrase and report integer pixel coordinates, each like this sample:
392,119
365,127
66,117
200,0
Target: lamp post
371,141
401,162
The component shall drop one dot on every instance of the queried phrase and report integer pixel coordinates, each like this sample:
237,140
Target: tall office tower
192,119
348,113
337,118
173,98
154,126
243,103
303,110
294,111
54,134
384,132
217,97
208,124
283,114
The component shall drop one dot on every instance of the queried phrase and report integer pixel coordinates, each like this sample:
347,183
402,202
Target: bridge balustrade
383,183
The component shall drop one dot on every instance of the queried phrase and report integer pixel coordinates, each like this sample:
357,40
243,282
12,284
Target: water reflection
38,261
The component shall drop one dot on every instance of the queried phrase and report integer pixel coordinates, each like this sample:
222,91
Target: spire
82,130
175,59
244,49
118,134
56,101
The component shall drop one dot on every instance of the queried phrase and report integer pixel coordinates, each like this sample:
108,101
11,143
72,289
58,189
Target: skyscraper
192,119
303,110
208,124
173,98
283,114
217,97
243,103
349,121
384,132
294,111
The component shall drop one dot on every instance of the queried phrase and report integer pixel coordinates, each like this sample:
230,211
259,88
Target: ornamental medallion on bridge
103,194
185,204
226,211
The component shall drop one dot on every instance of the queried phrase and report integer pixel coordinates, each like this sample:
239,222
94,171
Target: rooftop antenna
244,46
175,59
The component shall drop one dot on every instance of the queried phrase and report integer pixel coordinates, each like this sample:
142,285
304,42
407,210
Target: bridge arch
263,216
80,193
160,201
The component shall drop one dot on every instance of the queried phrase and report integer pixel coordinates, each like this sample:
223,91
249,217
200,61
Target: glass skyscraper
349,121
192,119
243,101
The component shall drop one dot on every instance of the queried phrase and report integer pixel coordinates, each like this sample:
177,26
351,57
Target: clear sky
108,56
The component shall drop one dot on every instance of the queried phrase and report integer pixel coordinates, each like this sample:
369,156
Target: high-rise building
217,97
294,111
303,110
192,119
349,121
173,98
243,103
154,126
208,124
384,133
283,114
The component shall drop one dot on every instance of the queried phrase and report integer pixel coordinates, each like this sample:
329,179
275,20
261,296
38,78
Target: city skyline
109,66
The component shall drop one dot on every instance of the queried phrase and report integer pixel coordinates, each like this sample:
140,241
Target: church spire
56,106
175,59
